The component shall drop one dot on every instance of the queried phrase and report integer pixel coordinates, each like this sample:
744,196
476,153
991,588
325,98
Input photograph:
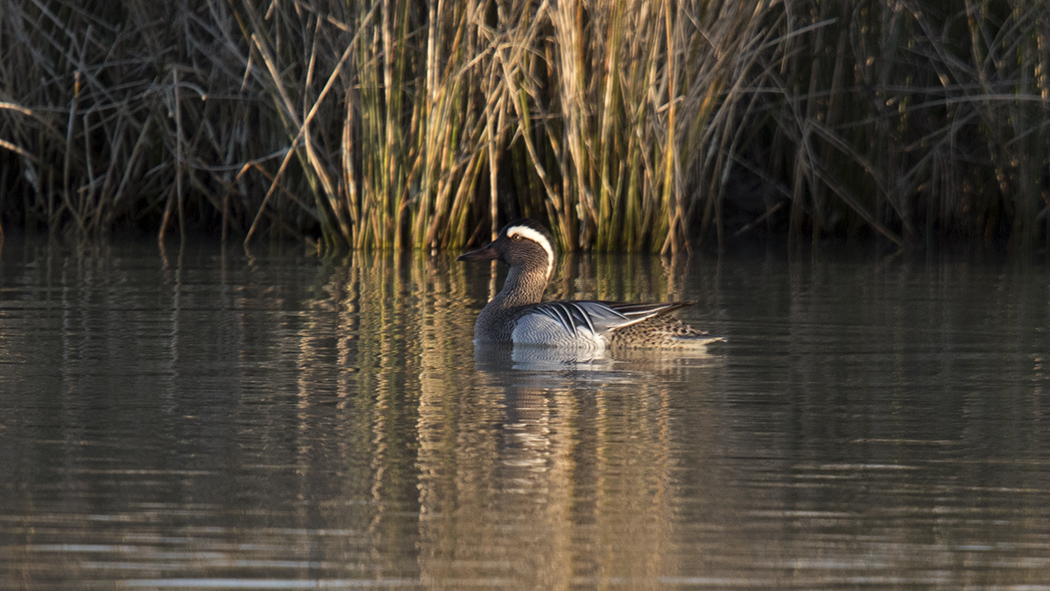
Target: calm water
193,418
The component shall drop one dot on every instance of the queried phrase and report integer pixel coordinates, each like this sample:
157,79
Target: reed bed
626,124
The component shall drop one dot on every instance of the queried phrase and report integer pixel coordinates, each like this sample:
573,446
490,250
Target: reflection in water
527,480
194,418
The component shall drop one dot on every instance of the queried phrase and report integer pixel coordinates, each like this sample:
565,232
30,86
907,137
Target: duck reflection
548,471
501,357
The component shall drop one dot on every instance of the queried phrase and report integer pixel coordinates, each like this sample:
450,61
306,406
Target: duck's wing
647,310
598,318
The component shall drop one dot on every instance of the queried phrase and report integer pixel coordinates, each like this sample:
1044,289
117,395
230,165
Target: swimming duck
517,315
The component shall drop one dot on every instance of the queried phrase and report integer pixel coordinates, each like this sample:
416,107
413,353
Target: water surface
198,418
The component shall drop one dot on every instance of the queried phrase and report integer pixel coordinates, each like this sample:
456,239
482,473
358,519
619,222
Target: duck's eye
515,237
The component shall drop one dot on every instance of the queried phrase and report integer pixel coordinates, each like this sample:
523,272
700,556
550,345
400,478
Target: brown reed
626,124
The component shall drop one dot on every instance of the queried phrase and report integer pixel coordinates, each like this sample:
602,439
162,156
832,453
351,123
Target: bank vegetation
625,124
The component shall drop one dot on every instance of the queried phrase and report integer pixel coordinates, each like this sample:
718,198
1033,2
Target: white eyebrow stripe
527,232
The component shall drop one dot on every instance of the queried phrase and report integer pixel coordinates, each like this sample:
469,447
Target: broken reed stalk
626,124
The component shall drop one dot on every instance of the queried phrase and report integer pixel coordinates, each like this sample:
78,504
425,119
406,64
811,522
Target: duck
518,316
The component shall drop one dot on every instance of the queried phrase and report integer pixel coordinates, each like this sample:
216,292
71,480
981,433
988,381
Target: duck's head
522,243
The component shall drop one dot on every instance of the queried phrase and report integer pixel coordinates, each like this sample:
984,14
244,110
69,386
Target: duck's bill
485,253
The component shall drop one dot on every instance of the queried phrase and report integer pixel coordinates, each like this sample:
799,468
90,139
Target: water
194,418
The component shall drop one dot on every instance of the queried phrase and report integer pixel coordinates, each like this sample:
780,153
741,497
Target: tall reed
917,121
627,124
